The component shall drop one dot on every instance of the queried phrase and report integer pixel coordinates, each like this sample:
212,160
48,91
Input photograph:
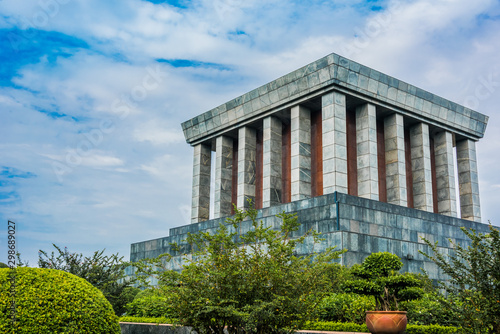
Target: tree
379,276
474,279
251,282
107,273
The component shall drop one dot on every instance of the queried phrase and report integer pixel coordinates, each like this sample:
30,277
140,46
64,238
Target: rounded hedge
53,301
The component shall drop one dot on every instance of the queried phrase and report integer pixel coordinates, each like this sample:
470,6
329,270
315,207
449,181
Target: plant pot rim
386,312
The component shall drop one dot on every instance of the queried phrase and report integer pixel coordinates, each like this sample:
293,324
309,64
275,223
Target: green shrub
473,284
149,320
379,276
345,307
336,275
105,272
150,303
351,327
429,311
431,329
120,301
53,301
335,326
250,282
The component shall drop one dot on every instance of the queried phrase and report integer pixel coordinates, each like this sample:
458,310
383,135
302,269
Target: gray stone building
368,160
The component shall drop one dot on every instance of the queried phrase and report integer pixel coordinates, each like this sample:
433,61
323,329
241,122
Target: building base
363,227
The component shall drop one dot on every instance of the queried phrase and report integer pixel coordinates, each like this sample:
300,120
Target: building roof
335,72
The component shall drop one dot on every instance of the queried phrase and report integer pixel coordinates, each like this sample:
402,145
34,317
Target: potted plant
379,276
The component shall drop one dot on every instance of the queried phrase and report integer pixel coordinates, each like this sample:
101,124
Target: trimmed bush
53,301
379,276
335,326
429,311
345,307
148,320
350,327
149,303
431,329
105,272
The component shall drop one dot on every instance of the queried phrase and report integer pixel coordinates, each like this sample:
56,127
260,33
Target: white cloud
96,160
165,168
158,133
135,181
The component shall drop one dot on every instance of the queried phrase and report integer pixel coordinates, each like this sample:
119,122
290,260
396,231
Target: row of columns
424,153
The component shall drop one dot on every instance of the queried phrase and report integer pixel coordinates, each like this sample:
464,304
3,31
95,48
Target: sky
92,95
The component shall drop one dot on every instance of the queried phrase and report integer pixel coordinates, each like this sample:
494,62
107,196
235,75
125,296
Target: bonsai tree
379,276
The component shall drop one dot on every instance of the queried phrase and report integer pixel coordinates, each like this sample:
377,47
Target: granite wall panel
366,226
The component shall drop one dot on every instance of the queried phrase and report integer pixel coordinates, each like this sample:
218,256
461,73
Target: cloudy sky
92,94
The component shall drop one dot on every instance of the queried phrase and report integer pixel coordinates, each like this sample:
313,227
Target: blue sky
92,94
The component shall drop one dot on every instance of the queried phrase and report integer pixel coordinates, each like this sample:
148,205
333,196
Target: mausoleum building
368,160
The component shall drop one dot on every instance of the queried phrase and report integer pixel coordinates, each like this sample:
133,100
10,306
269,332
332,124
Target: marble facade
336,127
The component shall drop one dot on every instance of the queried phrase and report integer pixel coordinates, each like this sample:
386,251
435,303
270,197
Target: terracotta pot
386,322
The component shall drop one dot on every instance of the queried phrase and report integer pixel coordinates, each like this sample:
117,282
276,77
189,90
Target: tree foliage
105,272
151,302
379,276
474,280
345,307
249,282
428,310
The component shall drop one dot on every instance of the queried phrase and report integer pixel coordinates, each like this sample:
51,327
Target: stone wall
134,328
364,226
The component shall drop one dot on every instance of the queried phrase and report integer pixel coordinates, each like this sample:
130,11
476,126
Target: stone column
300,157
200,207
395,160
271,170
247,145
445,174
421,167
366,145
223,176
468,180
334,143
